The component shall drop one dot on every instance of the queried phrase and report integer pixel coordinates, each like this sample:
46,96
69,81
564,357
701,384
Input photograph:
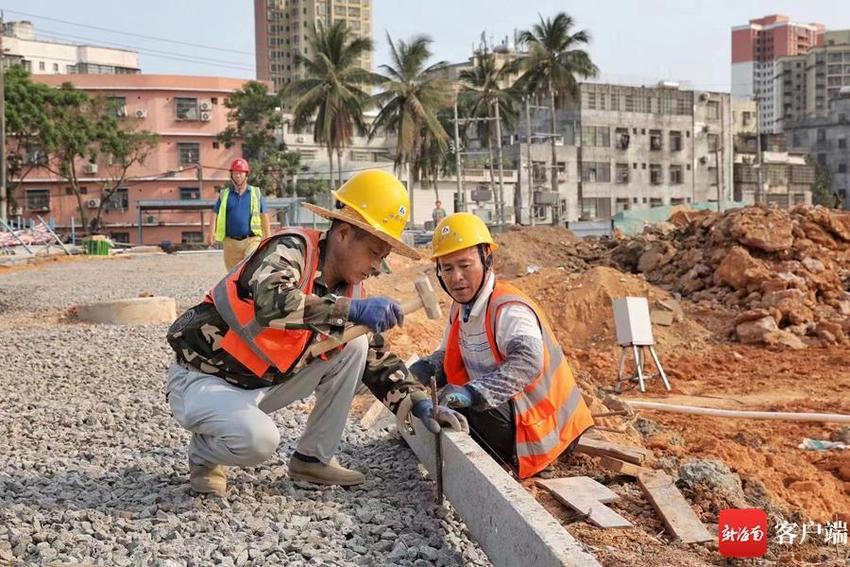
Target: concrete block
511,527
134,311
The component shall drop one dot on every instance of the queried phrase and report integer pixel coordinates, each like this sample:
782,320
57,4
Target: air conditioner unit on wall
206,116
205,105
141,113
90,168
150,219
17,211
93,203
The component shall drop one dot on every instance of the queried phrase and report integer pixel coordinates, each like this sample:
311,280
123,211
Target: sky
634,41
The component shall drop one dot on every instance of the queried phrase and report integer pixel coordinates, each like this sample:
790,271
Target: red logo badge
742,533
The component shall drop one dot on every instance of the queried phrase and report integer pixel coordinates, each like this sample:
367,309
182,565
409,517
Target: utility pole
4,197
528,162
461,193
717,152
501,211
760,167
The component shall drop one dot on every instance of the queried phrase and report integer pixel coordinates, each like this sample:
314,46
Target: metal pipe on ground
745,414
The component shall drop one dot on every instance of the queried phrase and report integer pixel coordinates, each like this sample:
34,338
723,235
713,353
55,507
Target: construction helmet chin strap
486,260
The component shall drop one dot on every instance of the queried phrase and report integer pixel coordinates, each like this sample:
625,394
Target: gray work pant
231,425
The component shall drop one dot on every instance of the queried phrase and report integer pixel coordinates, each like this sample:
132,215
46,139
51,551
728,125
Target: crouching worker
233,370
499,361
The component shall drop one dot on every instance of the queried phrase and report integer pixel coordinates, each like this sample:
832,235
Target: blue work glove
456,396
447,417
422,370
377,313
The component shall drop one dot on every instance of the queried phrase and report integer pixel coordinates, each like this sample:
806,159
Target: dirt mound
786,271
580,309
524,250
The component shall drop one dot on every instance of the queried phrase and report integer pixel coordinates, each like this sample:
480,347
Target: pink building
187,112
756,46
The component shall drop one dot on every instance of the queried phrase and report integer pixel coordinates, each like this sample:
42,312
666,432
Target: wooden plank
377,415
621,467
586,496
511,527
602,448
677,514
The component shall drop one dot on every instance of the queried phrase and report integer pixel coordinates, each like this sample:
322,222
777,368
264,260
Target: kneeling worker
499,359
233,370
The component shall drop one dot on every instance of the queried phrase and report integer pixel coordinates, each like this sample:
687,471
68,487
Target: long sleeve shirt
270,279
519,339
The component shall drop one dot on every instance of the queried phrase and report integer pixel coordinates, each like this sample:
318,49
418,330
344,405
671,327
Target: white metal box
631,320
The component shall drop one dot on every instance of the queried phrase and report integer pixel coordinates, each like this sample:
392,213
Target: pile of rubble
786,271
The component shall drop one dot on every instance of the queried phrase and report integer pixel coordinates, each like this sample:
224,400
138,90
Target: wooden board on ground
586,496
602,448
377,416
621,467
677,514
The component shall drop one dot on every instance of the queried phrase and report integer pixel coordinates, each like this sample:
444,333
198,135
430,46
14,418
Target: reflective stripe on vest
256,216
255,346
550,413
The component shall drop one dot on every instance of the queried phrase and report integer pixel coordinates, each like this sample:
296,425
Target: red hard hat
239,164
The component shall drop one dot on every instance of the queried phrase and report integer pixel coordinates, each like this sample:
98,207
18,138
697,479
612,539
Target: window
712,110
712,140
621,138
595,208
41,65
842,143
655,175
189,152
117,105
118,201
595,136
596,172
655,140
186,108
622,173
56,67
38,199
676,175
622,204
190,193
655,202
675,141
842,168
122,237
192,237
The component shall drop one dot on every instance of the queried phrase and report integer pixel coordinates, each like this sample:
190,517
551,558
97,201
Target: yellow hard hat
376,201
459,231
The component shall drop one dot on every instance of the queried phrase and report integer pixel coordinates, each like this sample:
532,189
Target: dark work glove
422,370
377,313
446,417
456,396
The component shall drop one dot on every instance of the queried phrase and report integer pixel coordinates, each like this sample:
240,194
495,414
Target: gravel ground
93,467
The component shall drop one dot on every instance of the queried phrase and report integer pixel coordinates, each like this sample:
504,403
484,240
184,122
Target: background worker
438,213
240,218
233,370
499,362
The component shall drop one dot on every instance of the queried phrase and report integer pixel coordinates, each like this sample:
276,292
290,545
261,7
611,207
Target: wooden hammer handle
357,330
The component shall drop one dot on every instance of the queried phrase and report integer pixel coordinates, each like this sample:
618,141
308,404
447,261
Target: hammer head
428,297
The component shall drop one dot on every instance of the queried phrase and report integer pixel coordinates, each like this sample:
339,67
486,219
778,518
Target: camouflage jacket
271,278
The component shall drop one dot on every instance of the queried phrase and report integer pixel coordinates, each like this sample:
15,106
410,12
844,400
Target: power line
152,52
149,37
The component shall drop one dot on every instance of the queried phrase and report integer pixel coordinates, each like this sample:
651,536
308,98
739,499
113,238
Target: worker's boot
332,473
208,479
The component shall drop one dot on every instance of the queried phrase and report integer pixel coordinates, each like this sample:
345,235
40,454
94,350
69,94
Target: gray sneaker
331,474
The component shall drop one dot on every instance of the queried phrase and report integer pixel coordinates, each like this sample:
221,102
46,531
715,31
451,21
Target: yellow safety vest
256,217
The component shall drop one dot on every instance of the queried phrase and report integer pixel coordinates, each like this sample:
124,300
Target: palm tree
481,90
332,94
412,93
554,59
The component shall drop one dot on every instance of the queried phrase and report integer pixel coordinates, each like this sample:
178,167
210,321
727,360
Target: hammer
426,298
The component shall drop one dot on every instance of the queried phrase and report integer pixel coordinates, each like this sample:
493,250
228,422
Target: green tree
554,61
822,187
412,93
254,120
331,97
87,130
482,87
27,123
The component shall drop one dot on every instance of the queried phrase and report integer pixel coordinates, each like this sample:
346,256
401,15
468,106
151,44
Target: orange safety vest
255,346
550,413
